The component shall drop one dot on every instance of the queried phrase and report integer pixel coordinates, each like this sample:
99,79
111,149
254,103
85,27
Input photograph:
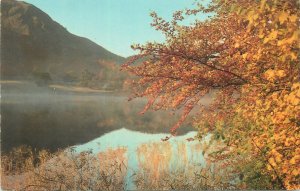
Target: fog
44,117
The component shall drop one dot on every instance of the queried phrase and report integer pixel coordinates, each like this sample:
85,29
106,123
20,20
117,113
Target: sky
113,24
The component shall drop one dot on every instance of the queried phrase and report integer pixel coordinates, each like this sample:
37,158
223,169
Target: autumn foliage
246,57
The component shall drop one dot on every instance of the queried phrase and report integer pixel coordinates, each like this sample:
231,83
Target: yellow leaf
262,5
280,73
295,36
278,159
271,36
290,40
255,16
295,101
295,86
295,172
283,17
270,74
293,161
272,161
261,35
286,121
269,167
298,93
293,18
245,55
293,55
250,16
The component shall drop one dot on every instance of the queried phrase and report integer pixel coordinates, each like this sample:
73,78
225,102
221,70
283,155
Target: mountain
32,42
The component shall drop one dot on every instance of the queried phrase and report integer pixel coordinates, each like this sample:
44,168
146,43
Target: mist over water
43,117
102,122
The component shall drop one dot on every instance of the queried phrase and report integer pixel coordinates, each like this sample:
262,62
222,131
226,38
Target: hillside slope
32,42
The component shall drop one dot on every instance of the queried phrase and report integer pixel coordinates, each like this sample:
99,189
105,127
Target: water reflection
147,157
56,120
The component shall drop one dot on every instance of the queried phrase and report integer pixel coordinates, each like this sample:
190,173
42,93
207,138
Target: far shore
80,89
56,87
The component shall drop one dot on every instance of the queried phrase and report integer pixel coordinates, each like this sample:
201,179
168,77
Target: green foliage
253,177
86,78
109,77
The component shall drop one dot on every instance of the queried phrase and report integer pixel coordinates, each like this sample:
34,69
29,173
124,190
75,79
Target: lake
103,123
42,118
144,150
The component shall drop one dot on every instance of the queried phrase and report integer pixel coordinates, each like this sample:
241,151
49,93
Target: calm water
148,149
42,118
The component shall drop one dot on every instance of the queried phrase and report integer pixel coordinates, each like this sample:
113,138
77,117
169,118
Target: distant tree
42,78
86,77
70,76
